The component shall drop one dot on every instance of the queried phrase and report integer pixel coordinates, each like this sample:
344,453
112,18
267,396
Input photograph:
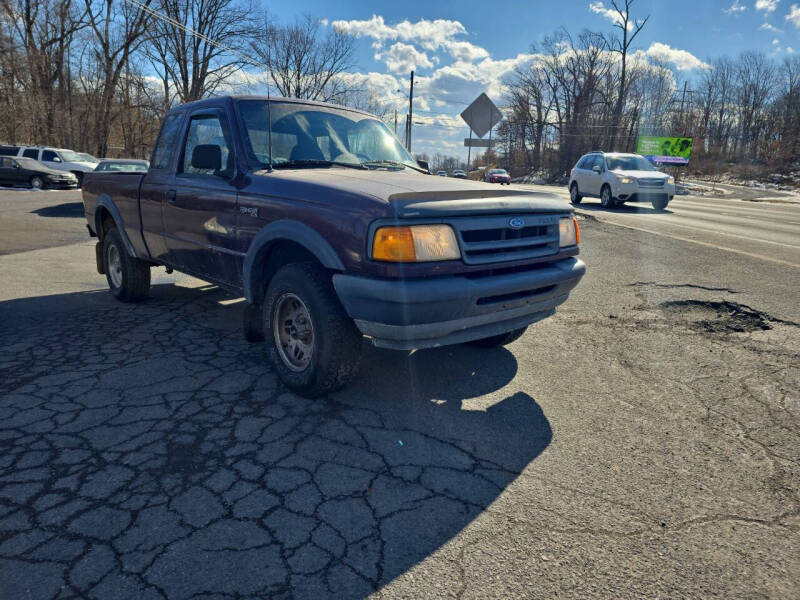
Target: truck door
157,183
201,210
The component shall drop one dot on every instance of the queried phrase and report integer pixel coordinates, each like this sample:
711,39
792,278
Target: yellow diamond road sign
482,115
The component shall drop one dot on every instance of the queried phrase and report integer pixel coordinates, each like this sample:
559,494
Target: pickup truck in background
332,232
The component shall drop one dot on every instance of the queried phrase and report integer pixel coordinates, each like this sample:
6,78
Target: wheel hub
293,332
114,265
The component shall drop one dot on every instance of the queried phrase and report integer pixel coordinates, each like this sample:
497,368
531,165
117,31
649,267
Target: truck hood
412,194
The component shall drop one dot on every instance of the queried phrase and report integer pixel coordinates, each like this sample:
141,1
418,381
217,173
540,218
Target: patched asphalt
641,443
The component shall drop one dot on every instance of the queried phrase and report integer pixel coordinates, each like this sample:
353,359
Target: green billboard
671,150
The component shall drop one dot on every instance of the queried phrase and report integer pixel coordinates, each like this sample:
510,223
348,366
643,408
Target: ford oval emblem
516,223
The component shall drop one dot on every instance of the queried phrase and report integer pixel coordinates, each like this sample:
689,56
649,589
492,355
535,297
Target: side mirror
56,159
424,165
597,169
207,157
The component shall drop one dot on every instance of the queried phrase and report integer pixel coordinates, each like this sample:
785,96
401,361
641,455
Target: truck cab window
207,130
166,141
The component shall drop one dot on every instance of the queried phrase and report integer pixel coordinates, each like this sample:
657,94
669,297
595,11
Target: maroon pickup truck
332,232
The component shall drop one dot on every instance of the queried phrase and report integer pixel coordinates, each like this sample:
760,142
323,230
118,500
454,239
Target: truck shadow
68,209
637,208
159,451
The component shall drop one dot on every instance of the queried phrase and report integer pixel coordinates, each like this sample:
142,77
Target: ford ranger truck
328,227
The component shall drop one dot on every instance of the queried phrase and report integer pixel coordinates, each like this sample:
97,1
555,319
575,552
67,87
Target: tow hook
253,325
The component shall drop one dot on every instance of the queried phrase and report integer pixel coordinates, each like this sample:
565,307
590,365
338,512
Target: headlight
671,179
624,179
569,234
417,243
52,177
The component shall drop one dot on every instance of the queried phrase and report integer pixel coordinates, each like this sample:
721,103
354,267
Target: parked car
26,172
59,159
497,176
441,173
460,174
617,178
122,165
328,227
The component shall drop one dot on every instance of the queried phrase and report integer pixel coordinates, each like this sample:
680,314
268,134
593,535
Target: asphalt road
758,223
641,443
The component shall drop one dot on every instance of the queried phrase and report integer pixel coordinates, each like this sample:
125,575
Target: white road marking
699,243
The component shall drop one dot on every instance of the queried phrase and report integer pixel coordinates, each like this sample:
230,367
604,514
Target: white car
617,178
59,159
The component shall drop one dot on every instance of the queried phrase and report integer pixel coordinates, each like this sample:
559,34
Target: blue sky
459,49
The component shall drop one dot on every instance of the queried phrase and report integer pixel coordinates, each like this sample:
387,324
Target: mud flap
98,254
253,327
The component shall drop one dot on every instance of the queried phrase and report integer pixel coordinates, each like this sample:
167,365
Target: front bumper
424,313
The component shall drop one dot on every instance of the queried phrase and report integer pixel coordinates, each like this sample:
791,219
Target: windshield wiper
395,164
315,162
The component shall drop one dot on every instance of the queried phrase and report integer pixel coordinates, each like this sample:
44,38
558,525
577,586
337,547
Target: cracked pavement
642,443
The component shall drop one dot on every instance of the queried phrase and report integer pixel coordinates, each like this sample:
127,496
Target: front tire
606,198
502,339
660,202
36,182
311,342
574,194
128,277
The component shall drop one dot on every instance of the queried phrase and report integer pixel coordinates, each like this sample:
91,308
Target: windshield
123,167
304,134
497,172
88,157
628,163
30,163
70,156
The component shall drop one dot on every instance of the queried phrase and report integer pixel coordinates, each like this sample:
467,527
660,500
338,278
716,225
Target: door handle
171,196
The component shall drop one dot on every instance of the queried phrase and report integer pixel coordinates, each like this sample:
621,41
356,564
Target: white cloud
608,13
794,15
767,6
776,42
789,50
735,8
769,27
429,34
683,60
465,51
402,57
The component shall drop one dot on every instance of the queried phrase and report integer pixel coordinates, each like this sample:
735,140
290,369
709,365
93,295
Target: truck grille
486,240
651,183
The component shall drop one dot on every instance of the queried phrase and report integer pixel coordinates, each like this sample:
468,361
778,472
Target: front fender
288,230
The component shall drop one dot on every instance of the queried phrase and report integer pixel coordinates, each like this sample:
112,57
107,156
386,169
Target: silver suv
617,178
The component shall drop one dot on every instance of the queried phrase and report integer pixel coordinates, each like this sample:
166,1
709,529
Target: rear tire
574,195
128,277
36,182
660,203
606,199
311,342
500,340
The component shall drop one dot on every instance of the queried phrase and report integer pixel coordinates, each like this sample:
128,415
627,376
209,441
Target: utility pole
410,112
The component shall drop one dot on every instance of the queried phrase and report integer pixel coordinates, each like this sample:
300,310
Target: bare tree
44,30
201,46
304,61
629,29
118,29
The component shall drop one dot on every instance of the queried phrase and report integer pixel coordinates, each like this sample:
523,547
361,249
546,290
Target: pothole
716,317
